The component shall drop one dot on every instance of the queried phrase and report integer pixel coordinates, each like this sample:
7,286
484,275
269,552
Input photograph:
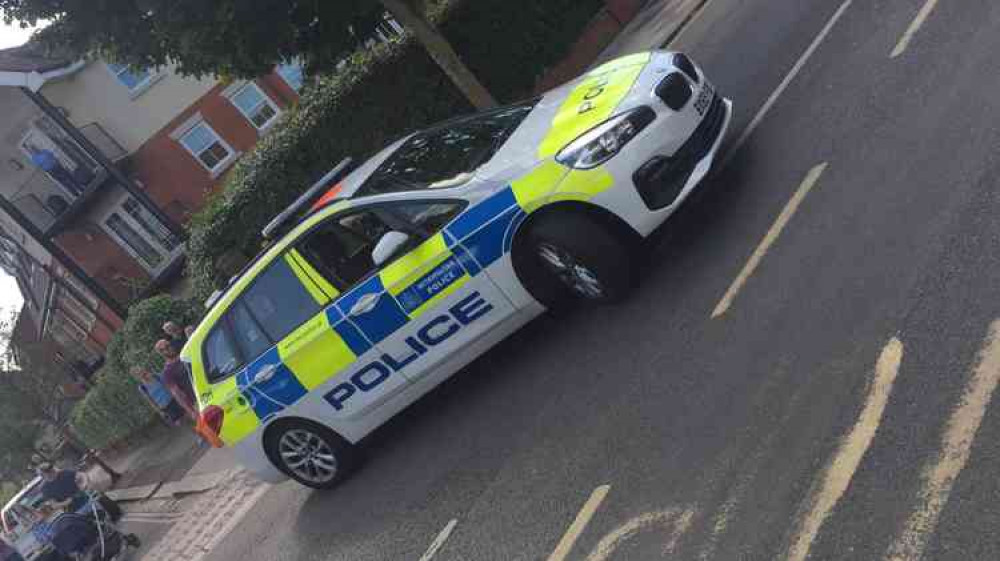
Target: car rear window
447,155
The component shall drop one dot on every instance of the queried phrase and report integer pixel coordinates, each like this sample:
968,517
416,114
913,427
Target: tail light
210,425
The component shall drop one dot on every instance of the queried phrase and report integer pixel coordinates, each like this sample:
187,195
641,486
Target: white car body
511,305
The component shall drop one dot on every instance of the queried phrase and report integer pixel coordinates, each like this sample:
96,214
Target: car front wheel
310,453
572,258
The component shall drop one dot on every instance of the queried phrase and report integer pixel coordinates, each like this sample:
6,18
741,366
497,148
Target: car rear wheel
571,258
310,453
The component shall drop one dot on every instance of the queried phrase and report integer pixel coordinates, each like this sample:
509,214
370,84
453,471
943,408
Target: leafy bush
115,409
378,96
110,412
144,327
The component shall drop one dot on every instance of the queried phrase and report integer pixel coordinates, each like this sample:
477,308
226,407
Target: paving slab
191,484
140,493
210,519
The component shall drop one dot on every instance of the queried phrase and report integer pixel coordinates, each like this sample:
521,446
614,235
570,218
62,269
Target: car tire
570,258
310,453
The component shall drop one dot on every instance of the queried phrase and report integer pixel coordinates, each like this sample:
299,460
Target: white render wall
93,94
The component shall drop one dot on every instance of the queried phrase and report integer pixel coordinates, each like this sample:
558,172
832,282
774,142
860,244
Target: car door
289,336
424,303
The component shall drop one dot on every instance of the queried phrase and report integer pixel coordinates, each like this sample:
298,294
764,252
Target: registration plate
705,98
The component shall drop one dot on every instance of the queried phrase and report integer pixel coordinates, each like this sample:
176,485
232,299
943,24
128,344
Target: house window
203,143
150,225
77,309
255,105
138,245
83,292
141,234
131,79
291,73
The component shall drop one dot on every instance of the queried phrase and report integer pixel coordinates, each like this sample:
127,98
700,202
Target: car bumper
664,181
696,153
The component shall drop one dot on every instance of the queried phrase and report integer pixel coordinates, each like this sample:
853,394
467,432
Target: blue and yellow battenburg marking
332,341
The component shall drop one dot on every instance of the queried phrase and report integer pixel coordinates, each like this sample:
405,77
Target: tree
31,398
239,38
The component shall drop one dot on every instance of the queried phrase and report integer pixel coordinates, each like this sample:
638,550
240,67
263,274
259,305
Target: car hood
568,111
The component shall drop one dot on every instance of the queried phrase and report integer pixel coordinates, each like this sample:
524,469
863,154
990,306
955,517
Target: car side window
341,248
221,358
252,341
278,301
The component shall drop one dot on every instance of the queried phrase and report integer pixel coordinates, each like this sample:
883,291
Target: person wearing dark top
47,161
176,335
65,489
58,485
8,553
175,377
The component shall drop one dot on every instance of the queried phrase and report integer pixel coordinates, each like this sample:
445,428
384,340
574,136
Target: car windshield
448,155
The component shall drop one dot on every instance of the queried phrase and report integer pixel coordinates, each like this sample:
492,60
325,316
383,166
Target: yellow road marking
772,235
580,523
852,449
675,520
956,445
439,541
915,26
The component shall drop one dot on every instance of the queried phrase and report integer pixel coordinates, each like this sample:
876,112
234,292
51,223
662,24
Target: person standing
175,377
158,396
64,488
177,337
46,160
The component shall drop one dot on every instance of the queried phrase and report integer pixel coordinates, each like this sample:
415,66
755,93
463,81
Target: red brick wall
279,90
108,321
101,257
173,178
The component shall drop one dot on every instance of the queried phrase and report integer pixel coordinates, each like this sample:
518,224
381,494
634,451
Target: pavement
174,491
807,370
656,24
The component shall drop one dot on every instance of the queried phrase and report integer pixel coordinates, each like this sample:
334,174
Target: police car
382,281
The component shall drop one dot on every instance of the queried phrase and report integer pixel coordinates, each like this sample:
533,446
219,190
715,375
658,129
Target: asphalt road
824,415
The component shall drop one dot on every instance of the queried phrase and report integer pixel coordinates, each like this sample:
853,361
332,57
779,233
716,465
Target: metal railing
104,142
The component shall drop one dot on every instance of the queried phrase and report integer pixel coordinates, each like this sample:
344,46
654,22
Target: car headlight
602,142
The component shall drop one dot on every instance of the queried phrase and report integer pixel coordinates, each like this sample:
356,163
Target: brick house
100,165
60,316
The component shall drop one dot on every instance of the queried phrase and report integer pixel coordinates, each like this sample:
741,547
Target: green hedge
114,409
380,95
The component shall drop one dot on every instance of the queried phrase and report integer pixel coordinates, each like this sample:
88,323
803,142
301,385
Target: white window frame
119,208
152,76
223,164
267,99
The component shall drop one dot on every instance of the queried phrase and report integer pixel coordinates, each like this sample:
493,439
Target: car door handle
365,304
265,374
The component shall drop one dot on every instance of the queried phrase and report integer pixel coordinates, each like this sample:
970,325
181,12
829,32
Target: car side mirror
388,247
